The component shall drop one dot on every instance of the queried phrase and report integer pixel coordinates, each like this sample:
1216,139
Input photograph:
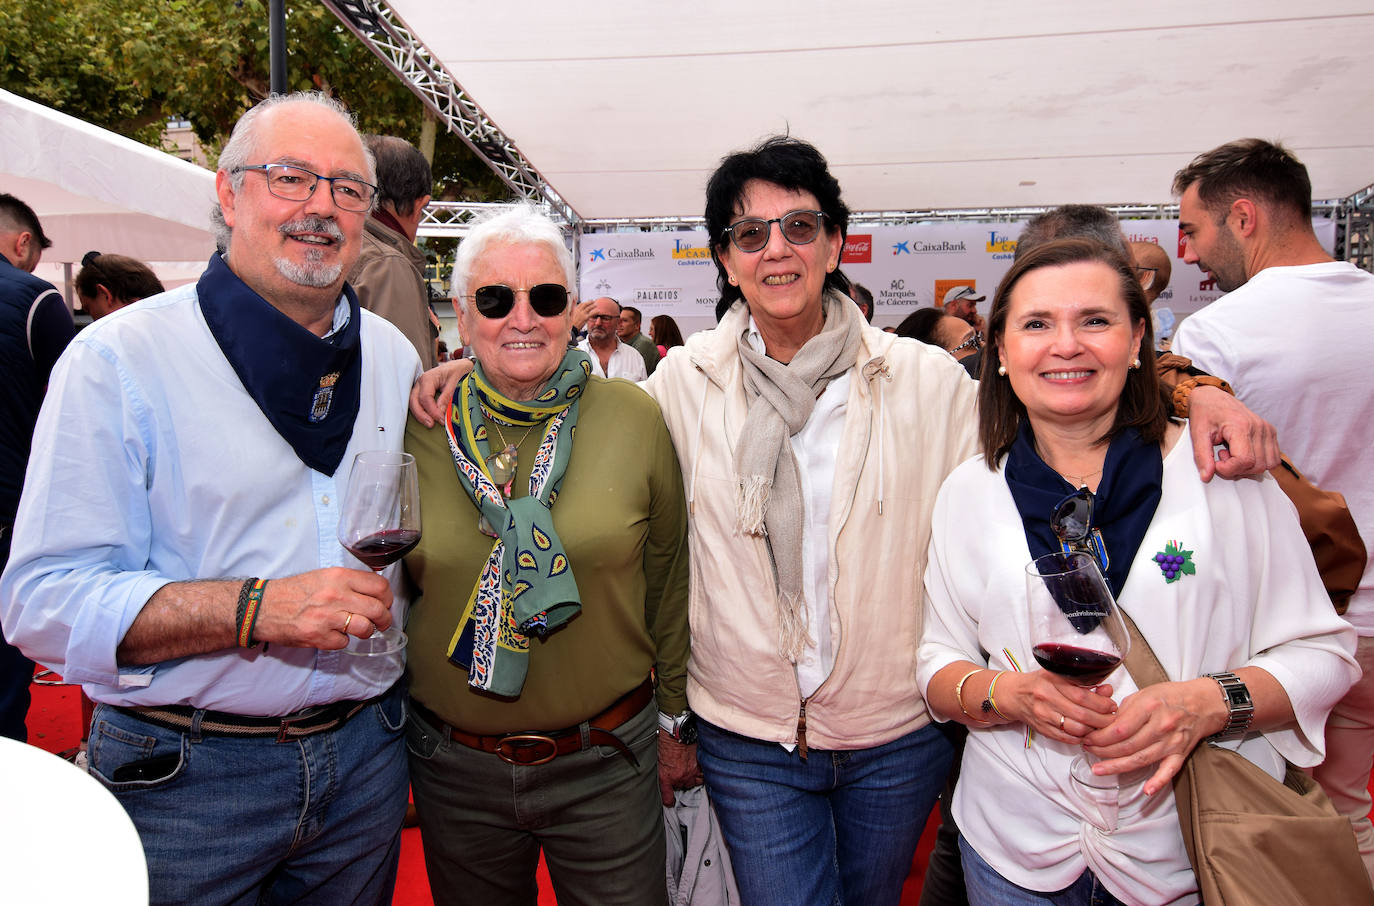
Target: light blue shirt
151,464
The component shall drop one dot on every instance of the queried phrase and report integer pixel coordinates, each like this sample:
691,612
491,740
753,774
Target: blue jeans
988,888
838,829
254,821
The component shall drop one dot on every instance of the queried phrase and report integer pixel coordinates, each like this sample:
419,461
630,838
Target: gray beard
312,273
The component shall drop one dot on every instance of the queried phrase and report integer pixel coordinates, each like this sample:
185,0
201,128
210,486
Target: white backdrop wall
905,267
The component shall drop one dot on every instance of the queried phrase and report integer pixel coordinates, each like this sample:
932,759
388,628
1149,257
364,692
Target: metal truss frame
383,32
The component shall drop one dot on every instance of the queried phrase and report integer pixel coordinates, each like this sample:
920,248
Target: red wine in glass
379,524
381,549
1082,665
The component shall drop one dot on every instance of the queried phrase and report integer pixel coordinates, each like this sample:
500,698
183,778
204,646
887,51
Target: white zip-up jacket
909,421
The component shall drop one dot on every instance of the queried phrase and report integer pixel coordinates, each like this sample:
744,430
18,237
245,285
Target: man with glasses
1152,267
962,303
177,552
610,357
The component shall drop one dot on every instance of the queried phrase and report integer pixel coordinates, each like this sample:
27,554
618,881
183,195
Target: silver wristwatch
681,727
1238,700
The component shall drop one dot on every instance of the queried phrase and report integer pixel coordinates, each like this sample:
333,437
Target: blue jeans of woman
988,888
315,820
839,828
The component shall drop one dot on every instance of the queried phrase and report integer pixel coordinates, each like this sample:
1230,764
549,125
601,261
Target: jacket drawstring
696,459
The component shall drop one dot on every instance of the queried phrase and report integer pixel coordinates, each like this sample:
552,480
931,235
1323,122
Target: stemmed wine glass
379,525
1077,632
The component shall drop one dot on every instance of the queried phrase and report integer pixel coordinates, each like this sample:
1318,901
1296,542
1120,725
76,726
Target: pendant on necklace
502,466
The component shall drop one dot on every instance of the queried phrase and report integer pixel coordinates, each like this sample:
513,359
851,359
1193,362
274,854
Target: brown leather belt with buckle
534,748
220,723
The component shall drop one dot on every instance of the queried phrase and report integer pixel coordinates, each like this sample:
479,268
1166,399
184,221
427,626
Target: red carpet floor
54,724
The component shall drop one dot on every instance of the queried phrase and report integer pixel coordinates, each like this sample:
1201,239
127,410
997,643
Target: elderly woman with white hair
550,627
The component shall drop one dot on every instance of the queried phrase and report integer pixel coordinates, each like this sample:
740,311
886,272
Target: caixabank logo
1000,246
687,255
613,254
858,249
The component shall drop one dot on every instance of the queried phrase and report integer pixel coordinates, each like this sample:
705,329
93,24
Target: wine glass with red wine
1077,632
379,525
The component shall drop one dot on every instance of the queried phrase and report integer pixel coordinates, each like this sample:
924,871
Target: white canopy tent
622,110
95,190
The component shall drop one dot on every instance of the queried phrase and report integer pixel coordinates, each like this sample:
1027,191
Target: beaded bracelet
990,703
250,598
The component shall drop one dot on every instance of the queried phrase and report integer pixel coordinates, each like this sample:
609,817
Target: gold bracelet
959,694
990,703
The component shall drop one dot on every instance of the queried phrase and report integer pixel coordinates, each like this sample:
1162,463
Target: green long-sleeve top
622,516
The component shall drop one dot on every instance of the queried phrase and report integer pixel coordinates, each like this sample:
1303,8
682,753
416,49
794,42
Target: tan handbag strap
1140,661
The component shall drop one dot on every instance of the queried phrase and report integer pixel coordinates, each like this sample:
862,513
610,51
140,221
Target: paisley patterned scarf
526,586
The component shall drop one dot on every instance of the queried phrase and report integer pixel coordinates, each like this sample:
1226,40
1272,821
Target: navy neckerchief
1123,505
308,387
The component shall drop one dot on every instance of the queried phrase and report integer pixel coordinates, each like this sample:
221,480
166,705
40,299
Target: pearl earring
1002,370
733,281
1135,363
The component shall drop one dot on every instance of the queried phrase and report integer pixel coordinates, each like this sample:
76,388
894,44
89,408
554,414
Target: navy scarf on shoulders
1123,506
307,386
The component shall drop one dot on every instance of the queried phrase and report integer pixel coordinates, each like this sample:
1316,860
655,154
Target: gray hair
243,146
516,224
1074,221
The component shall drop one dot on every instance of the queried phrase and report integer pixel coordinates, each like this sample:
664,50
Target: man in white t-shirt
610,357
1292,336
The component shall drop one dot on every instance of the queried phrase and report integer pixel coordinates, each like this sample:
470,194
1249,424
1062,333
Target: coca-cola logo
858,249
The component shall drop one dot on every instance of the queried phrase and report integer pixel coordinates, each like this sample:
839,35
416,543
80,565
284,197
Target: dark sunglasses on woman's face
797,227
497,300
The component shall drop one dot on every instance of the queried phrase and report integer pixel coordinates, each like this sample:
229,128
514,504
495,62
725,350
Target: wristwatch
681,727
1237,698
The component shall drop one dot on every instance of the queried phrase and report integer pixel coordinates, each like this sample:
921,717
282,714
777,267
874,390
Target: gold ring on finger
1061,721
350,620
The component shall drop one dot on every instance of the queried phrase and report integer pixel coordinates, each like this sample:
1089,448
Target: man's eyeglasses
497,300
1146,276
297,184
797,227
1071,520
974,341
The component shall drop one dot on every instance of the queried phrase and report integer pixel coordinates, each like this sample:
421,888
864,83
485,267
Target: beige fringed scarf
769,502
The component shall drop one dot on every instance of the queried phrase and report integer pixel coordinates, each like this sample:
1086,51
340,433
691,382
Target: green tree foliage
129,65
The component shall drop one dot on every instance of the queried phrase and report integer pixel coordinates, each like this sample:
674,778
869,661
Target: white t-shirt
625,362
1295,343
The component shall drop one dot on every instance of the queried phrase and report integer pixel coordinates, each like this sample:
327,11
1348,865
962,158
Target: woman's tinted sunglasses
497,300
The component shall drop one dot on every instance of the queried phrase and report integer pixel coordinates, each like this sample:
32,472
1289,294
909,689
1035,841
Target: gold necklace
1082,481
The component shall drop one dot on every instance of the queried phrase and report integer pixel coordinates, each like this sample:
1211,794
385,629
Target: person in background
534,722
610,357
1246,214
665,333
1068,415
178,556
389,276
1152,267
862,298
35,326
933,327
962,302
630,335
106,283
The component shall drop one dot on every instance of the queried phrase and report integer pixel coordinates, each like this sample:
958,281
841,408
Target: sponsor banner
906,267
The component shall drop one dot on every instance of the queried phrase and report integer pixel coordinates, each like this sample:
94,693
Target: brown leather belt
221,723
538,747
